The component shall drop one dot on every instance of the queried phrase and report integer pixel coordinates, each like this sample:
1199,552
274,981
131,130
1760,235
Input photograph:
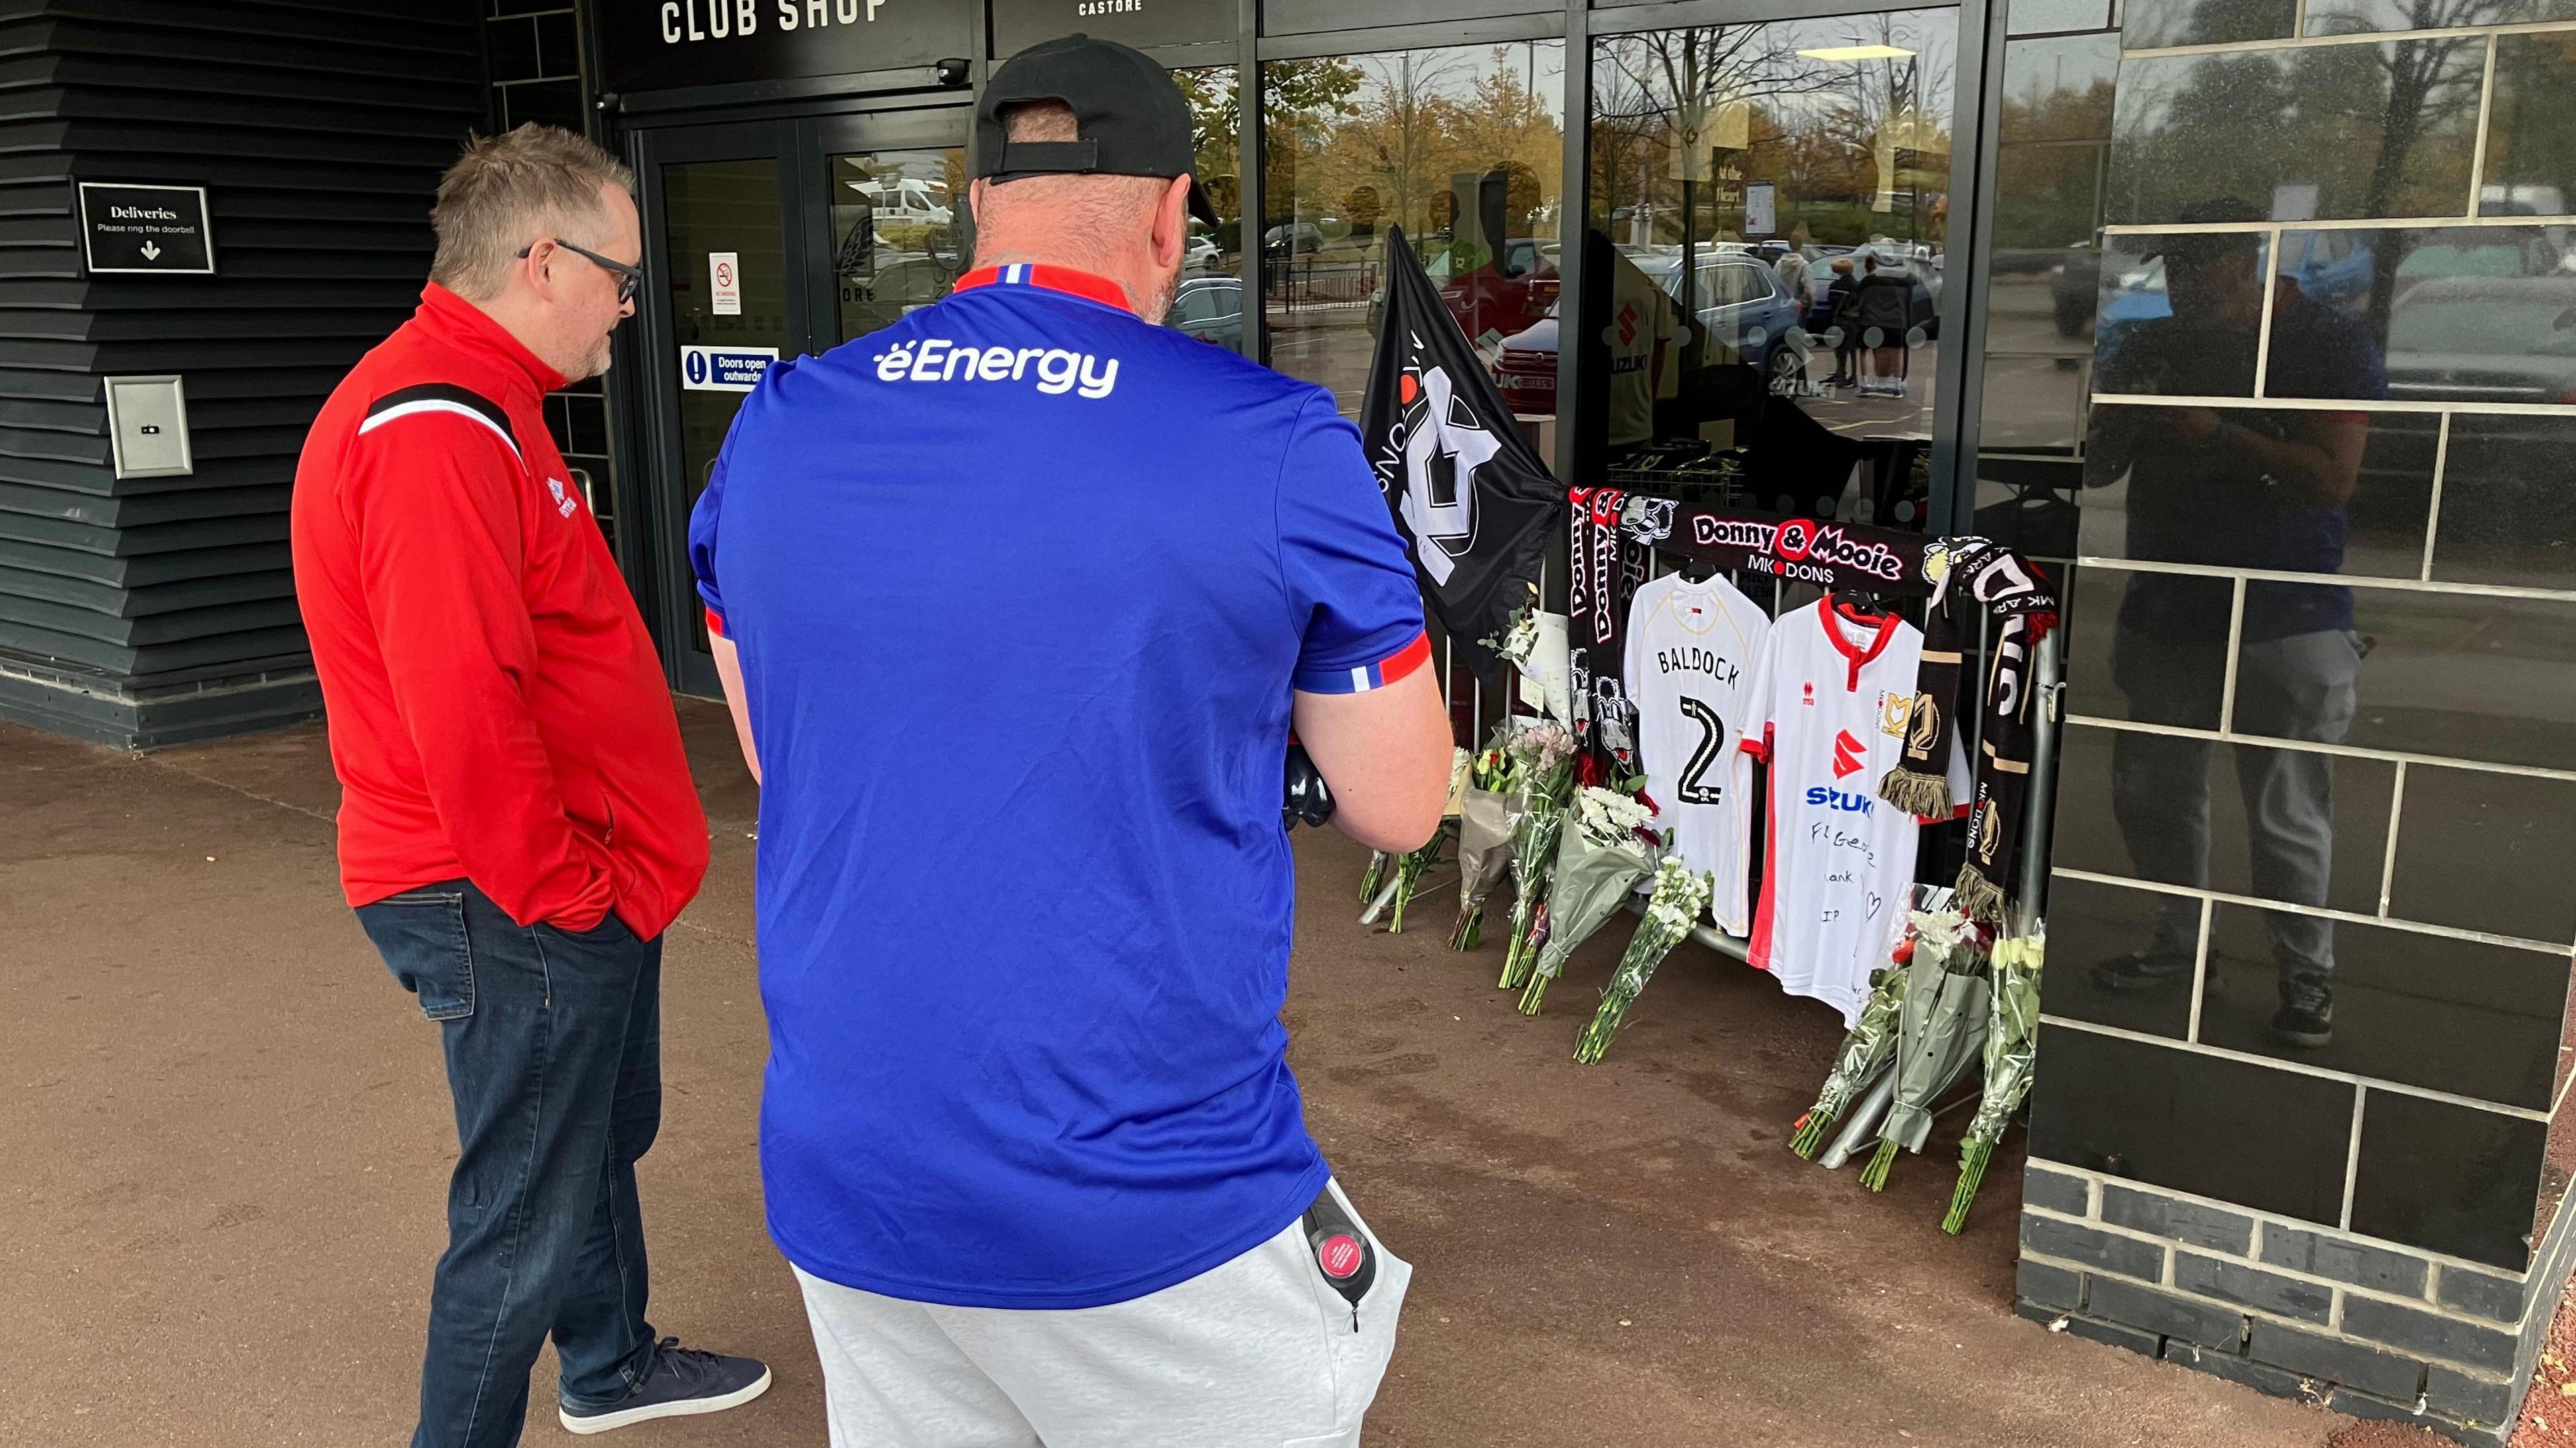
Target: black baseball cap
1131,120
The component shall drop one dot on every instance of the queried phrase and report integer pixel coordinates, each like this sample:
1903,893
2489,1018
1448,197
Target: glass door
770,240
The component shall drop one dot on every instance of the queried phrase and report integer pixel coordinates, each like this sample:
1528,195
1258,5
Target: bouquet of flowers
1680,895
1409,867
1543,782
2012,1046
1487,816
1865,1052
1604,856
1938,1031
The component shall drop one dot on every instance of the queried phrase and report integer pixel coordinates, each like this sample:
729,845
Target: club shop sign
662,44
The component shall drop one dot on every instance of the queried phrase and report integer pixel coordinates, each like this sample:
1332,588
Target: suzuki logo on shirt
1844,800
1849,757
1055,370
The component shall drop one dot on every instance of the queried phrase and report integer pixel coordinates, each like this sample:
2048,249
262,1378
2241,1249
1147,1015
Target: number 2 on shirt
1704,757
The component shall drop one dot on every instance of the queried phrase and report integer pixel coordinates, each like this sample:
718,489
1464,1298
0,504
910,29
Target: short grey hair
507,191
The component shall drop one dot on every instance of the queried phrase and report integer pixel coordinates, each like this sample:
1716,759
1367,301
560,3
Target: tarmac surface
226,1140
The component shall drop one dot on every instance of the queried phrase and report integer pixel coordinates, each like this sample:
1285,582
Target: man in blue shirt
1016,602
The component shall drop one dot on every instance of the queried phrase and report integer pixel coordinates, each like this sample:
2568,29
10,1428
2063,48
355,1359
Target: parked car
2485,339
1210,308
1291,238
1744,309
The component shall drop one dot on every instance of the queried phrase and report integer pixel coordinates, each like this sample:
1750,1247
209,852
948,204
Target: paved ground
226,1141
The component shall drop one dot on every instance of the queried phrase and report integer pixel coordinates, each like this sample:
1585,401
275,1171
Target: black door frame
802,147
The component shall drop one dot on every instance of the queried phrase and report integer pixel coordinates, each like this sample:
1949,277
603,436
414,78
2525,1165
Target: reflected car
1751,314
1210,309
1291,238
2485,339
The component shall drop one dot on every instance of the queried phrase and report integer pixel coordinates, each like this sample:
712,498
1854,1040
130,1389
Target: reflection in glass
2183,687
2531,131
2042,17
710,208
2355,17
2507,514
2448,1015
2089,921
2151,1113
2307,133
2060,89
1770,207
1208,304
2483,851
2232,849
2448,1178
2178,502
2463,313
1461,147
2464,677
899,233
2141,345
2145,24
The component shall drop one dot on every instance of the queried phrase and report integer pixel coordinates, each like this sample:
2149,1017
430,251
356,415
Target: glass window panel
709,208
2244,819
2448,1178
2449,1015
2295,492
1462,147
2458,675
1209,301
2038,17
2486,852
2060,89
2355,17
2028,503
2119,667
2198,342
2033,404
2145,24
2531,133
2454,314
2048,202
899,233
2150,1113
1771,206
2508,509
2297,134
2091,923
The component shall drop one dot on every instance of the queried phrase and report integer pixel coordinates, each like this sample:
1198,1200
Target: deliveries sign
145,230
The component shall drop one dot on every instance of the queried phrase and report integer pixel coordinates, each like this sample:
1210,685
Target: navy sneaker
683,1381
2143,970
2306,1017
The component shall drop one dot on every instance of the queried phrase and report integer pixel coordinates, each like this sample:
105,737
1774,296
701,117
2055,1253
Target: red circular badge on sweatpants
1339,1256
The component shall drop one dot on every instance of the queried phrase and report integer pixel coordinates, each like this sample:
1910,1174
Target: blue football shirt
1021,586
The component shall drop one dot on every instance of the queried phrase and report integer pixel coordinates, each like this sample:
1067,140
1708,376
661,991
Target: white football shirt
1827,710
1692,648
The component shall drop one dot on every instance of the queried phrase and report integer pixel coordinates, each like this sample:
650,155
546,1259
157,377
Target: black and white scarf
1980,573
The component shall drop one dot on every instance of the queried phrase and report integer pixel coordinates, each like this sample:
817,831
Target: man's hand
1386,755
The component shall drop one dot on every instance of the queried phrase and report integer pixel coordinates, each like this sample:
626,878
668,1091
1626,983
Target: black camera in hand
1304,797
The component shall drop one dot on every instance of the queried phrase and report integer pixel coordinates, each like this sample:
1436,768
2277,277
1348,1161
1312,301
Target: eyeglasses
629,278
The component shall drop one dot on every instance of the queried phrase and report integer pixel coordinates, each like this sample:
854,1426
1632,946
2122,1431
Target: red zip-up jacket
496,708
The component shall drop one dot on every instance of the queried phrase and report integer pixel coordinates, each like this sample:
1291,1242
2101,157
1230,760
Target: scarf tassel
1978,897
1924,796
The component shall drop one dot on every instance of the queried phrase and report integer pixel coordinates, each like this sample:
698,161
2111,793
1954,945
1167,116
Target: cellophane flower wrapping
1543,779
2011,1055
1603,857
1680,896
1409,867
1938,1031
1866,1050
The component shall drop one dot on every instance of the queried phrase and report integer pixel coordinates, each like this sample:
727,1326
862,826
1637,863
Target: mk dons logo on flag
1473,500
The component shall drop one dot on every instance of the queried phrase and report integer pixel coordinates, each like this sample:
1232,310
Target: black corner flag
1475,503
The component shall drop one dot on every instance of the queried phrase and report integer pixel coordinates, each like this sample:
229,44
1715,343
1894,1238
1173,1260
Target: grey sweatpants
1257,1352
2299,687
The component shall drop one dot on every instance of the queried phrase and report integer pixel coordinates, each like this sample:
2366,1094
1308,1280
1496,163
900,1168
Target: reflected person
2242,488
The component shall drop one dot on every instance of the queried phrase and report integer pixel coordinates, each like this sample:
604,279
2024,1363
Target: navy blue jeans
553,1044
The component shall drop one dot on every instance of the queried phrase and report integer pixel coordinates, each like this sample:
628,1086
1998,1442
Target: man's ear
975,198
1172,222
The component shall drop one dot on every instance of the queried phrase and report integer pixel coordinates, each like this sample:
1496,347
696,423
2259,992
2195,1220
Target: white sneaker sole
682,1408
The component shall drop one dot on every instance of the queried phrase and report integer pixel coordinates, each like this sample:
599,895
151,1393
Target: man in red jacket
517,821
